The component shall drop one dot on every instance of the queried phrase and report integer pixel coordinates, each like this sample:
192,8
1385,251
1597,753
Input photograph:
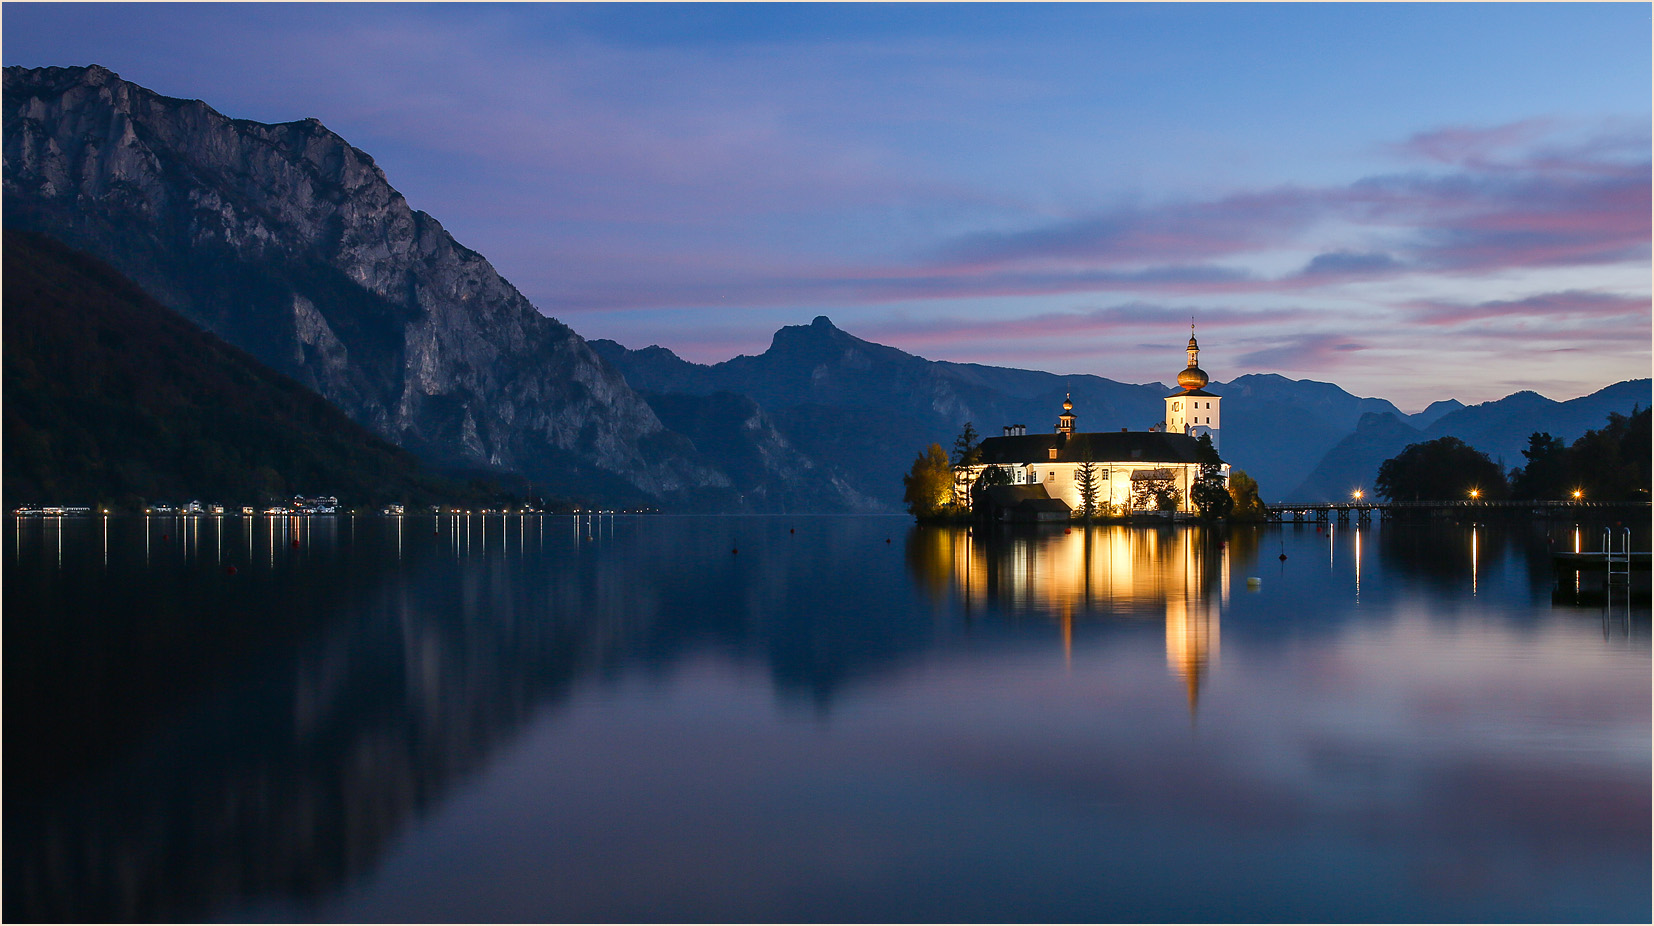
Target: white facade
1114,481
1195,413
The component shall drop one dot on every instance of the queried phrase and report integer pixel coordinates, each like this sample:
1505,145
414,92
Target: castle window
1053,452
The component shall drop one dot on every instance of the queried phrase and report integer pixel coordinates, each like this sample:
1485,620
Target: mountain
111,397
289,243
1433,412
1350,465
1499,429
862,410
1276,429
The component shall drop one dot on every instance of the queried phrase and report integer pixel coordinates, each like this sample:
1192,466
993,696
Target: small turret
1193,377
1065,421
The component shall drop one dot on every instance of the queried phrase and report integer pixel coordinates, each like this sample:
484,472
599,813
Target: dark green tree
967,447
1440,470
991,476
927,489
1209,493
1244,490
1161,492
1611,463
967,451
1545,474
1085,479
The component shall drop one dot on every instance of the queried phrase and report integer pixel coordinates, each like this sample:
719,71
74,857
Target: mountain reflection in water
585,719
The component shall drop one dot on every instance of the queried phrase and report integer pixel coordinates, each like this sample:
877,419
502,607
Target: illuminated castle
1133,471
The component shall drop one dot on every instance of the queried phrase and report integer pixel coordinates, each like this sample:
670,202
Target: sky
1415,202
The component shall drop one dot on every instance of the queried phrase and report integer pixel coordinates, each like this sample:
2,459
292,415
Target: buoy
887,540
229,570
166,536
295,541
1068,530
734,550
1283,557
792,530
1254,582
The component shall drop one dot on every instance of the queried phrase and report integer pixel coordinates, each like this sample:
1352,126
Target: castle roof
1194,392
1100,447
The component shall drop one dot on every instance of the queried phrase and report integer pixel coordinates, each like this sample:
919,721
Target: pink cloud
1547,307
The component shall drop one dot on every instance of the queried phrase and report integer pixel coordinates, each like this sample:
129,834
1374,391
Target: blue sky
1412,201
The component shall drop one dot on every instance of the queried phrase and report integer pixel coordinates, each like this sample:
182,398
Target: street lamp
1578,494
1356,495
1475,493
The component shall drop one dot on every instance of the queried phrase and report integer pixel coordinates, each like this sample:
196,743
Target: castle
1131,471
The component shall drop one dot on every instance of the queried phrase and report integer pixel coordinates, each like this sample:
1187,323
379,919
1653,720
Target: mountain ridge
289,242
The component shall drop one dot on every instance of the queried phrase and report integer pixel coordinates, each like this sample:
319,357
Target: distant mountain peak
822,321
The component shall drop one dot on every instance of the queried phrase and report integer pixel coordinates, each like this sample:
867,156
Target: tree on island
1439,470
1248,504
1209,493
1085,479
1161,491
927,489
991,476
967,451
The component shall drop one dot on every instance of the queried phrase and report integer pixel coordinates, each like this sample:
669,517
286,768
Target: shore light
1475,493
1356,495
1578,494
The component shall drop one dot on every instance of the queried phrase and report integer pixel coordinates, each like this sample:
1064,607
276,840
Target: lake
612,718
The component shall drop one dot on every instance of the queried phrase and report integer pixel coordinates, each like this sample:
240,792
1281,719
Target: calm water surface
846,719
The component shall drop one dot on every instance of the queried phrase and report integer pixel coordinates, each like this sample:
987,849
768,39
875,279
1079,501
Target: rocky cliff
288,242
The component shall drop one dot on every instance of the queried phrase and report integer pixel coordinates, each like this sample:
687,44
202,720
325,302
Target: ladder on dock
1618,561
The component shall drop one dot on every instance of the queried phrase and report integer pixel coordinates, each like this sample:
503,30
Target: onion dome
1068,402
1193,377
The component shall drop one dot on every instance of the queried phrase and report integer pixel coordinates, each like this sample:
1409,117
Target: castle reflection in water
1181,576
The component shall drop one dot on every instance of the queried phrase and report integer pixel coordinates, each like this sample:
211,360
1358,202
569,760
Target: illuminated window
1053,452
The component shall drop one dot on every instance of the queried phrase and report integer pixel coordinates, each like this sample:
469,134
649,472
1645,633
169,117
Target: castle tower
1065,421
1192,410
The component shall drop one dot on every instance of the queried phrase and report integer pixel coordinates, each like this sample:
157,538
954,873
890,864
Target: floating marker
229,570
1283,557
1253,582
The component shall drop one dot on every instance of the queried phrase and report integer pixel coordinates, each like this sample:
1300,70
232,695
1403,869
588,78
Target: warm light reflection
1473,546
1090,575
1358,565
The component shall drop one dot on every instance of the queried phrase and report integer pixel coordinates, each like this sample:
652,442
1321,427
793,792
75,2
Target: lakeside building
1134,471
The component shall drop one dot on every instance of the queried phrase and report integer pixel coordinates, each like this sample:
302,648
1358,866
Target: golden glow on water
1473,561
1092,575
1358,565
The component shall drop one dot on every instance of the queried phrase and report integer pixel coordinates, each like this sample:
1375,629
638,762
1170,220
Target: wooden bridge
1362,511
